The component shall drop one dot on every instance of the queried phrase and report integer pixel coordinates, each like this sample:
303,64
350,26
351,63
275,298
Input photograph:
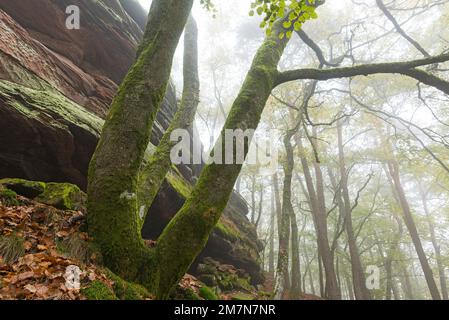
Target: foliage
294,12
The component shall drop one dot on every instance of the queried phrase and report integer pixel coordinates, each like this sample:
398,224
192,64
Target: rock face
55,88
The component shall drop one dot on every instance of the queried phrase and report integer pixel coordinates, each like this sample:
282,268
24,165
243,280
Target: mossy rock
208,279
29,189
226,231
207,293
180,293
63,196
8,198
97,290
206,268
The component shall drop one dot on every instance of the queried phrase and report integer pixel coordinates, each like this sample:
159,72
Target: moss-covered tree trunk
282,283
113,218
152,174
187,233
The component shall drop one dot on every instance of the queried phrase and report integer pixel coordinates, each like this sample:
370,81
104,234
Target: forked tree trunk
113,215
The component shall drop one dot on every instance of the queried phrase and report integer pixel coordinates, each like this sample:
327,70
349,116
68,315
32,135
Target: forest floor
38,242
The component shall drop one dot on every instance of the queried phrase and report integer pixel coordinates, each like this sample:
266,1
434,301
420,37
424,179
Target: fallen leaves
39,273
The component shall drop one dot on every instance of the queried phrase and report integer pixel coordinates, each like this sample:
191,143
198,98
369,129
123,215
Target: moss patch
207,293
29,189
97,290
8,198
180,293
241,296
127,291
179,184
63,196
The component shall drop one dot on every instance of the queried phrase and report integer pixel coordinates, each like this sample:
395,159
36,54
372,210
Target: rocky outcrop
55,88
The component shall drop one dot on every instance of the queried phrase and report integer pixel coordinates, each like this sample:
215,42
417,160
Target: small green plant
11,248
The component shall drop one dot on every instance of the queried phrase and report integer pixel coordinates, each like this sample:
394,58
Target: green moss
97,290
180,293
207,293
127,291
64,196
241,296
11,248
33,103
8,198
244,284
182,187
208,279
29,189
226,231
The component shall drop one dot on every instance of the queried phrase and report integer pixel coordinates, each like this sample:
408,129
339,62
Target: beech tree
120,183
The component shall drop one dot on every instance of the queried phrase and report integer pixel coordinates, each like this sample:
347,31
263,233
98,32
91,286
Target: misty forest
348,100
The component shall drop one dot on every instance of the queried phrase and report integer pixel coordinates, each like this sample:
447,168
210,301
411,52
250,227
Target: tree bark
271,248
152,174
318,209
361,292
410,224
278,203
436,247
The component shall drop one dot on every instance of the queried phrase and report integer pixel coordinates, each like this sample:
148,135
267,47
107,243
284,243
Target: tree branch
405,68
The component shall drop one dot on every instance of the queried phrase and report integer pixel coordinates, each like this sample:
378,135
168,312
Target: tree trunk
113,215
318,208
278,203
349,285
271,248
253,199
410,223
152,174
361,292
436,247
260,208
406,284
288,210
287,214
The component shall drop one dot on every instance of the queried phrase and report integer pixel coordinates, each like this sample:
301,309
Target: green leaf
287,24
